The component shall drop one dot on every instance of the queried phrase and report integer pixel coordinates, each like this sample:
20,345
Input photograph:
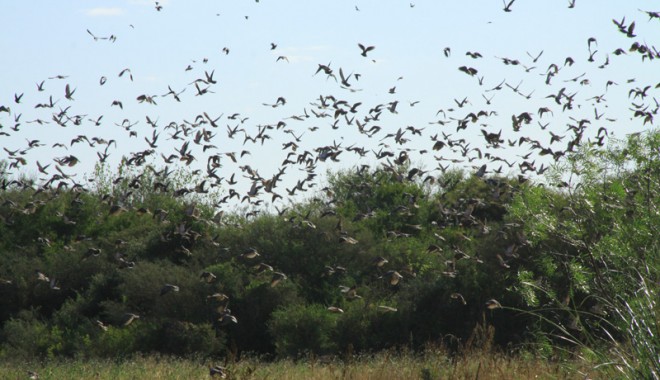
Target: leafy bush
187,339
302,329
575,266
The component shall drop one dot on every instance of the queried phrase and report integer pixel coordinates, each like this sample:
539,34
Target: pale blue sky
42,39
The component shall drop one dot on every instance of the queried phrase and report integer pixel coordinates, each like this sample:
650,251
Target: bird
226,318
535,58
379,261
458,296
218,371
250,253
350,292
277,278
263,267
168,288
393,277
492,304
507,7
68,93
208,277
101,325
53,284
129,318
468,70
124,71
92,251
388,309
591,40
365,50
347,240
218,297
116,210
41,276
501,262
482,170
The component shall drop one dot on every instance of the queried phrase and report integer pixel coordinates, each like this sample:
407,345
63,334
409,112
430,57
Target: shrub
26,338
300,329
187,339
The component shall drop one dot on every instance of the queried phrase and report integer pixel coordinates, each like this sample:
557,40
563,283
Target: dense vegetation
430,364
380,258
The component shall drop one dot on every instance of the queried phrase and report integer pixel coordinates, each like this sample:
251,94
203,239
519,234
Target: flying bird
68,93
365,50
492,304
468,70
168,288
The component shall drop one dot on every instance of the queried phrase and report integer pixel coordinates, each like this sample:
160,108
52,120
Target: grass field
430,365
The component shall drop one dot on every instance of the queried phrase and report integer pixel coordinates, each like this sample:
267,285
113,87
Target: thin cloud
100,12
296,58
296,54
152,78
149,2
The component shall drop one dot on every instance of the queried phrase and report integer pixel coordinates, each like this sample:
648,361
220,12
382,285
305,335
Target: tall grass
624,339
638,356
430,364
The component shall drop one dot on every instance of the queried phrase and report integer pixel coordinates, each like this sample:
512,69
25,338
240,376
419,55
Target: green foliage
354,328
187,339
527,288
300,329
533,206
26,339
116,342
573,261
256,308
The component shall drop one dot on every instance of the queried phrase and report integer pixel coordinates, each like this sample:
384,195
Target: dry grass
431,365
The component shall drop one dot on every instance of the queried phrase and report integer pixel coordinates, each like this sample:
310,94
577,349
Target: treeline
377,259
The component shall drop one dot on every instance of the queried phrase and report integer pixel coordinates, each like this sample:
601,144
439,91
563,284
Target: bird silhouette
218,372
129,318
492,304
168,288
365,50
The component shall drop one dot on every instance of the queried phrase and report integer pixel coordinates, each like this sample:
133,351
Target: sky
418,49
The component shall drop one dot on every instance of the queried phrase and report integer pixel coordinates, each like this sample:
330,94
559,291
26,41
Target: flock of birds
194,143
